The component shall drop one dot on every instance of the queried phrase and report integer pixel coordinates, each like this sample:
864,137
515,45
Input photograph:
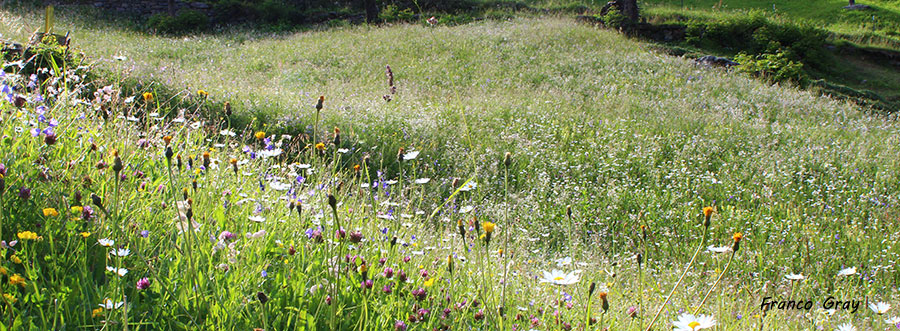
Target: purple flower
356,236
388,272
145,233
387,288
400,326
2,169
143,284
367,284
24,193
264,274
87,213
420,294
226,236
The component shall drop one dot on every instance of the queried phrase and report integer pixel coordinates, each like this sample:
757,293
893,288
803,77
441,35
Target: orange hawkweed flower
147,96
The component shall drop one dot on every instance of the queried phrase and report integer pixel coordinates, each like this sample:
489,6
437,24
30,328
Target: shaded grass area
876,27
861,71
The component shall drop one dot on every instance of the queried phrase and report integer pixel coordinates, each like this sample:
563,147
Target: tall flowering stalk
707,212
507,160
734,248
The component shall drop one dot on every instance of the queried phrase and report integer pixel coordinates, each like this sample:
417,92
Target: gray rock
710,60
857,7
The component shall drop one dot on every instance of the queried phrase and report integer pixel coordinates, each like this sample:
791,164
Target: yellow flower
320,146
148,96
260,135
85,234
429,282
10,298
203,93
3,271
50,212
17,280
28,235
15,259
96,312
737,237
488,227
77,209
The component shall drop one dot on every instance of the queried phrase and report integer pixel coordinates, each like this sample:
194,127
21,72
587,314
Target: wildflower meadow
523,174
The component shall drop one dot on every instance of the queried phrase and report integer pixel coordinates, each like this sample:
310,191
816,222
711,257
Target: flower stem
680,279
716,283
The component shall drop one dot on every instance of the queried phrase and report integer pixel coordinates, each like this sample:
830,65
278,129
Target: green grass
625,136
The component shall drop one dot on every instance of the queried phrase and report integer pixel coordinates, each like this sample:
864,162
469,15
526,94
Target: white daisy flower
688,322
109,305
257,219
564,261
119,271
391,182
846,327
466,209
880,307
720,249
106,242
893,320
847,271
558,277
279,186
257,234
469,186
411,155
422,180
227,132
343,150
121,252
793,277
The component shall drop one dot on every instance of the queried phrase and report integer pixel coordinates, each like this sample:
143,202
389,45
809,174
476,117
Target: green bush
392,13
773,67
614,19
186,21
756,34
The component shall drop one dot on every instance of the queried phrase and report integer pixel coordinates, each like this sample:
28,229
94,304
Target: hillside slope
625,136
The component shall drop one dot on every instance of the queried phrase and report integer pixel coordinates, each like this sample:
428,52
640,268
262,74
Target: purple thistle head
368,283
420,294
143,284
356,236
387,289
400,326
24,193
388,272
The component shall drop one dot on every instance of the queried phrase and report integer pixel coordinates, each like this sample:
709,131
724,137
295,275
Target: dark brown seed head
96,200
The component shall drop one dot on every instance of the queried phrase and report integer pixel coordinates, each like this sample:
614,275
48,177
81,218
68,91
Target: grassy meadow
615,151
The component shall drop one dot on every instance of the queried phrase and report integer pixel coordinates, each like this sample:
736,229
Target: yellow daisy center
558,278
694,325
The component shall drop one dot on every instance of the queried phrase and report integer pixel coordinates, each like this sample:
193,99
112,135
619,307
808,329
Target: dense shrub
392,13
185,21
774,67
756,34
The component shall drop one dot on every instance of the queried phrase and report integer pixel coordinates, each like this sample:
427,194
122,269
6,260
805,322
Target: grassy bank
624,136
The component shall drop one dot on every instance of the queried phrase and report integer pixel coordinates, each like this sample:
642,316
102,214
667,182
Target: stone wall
150,7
